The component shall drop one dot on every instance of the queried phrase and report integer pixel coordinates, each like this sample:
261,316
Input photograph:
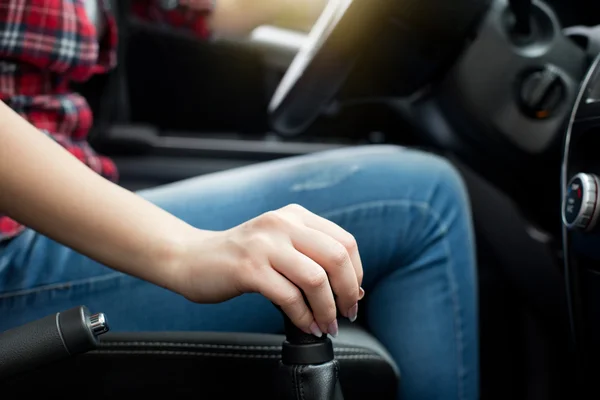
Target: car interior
507,90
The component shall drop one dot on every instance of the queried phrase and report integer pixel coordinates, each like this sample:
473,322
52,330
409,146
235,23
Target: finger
286,295
335,260
314,282
335,231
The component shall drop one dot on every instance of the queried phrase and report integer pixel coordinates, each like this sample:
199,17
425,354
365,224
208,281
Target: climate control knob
580,207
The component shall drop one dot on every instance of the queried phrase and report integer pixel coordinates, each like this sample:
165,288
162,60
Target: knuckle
305,317
270,219
329,312
349,242
294,208
290,299
259,241
317,280
275,221
339,256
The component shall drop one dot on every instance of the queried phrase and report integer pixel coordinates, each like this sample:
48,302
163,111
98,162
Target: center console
581,225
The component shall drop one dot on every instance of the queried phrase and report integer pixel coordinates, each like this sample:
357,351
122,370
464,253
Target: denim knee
448,187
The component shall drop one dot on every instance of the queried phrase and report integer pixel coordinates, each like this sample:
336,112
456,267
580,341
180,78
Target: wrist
170,258
179,257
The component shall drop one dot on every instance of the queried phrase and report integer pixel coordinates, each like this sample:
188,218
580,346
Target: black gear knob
301,348
308,369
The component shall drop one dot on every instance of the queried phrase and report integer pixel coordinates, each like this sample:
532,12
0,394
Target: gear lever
308,369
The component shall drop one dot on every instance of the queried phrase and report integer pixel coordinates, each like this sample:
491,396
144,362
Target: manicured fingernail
353,313
314,329
333,328
361,293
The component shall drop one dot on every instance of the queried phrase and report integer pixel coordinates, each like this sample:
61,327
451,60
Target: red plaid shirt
47,44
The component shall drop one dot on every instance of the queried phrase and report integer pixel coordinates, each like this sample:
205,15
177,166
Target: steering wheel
434,32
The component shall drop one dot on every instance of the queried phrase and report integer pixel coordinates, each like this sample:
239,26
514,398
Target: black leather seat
203,365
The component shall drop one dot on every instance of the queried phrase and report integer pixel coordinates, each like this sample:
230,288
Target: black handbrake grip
50,339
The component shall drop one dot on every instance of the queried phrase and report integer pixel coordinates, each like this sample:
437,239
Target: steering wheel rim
331,48
324,63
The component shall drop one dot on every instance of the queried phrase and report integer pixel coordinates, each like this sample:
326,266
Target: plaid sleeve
47,34
81,150
190,15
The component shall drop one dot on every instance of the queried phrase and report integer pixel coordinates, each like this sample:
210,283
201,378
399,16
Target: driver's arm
231,18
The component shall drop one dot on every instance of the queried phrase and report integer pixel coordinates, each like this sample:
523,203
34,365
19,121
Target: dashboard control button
542,92
580,207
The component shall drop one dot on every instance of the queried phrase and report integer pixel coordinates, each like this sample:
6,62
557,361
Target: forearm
231,18
46,188
239,17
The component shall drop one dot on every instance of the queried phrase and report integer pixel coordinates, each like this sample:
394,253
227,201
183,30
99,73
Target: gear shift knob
308,368
301,348
296,335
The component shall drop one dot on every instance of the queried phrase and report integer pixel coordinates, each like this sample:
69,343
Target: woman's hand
279,254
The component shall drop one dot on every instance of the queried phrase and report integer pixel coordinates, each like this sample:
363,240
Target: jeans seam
442,229
458,320
61,285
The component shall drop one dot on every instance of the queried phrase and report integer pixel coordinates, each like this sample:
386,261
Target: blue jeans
408,211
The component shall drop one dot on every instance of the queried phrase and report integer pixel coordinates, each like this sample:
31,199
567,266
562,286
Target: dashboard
577,12
581,228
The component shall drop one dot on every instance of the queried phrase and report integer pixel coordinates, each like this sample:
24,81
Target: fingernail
333,328
314,329
353,313
361,293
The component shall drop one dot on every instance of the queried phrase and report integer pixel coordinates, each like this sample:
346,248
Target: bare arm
46,188
239,17
233,18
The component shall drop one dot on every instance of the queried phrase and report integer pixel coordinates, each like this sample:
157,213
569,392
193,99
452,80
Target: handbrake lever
50,339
